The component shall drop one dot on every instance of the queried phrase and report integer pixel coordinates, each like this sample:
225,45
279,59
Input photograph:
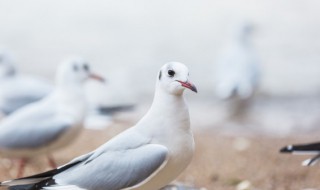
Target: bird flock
149,155
40,118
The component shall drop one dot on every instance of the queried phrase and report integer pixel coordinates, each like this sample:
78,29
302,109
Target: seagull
51,123
237,69
18,90
311,148
146,156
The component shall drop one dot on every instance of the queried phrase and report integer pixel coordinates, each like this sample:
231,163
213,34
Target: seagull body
102,116
147,156
237,72
311,148
49,124
237,67
18,90
34,128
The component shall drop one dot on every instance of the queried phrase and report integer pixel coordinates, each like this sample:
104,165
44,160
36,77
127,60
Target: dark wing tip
114,109
286,149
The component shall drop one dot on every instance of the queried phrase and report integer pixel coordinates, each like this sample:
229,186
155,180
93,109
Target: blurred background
128,41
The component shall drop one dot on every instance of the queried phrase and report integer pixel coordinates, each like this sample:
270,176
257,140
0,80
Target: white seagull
51,123
147,156
237,67
237,71
18,90
310,148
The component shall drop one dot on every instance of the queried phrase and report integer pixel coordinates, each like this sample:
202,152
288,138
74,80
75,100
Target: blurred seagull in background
51,123
146,156
237,71
102,116
311,148
18,90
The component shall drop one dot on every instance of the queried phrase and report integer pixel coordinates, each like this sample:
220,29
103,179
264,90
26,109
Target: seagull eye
171,73
86,67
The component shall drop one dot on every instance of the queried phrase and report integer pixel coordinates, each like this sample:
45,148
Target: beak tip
194,89
189,85
97,77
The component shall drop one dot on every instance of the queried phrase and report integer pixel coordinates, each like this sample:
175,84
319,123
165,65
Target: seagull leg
311,161
22,164
51,161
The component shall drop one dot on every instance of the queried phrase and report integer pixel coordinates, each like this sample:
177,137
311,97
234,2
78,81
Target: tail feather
38,181
18,182
20,187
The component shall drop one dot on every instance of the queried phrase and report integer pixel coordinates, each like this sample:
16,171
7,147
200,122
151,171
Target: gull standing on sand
147,156
237,71
51,123
18,90
311,148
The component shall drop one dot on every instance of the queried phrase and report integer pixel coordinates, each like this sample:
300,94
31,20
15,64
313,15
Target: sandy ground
220,162
227,152
123,39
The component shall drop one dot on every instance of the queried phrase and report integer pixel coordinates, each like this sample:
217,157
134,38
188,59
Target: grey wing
21,91
31,128
116,170
13,103
110,110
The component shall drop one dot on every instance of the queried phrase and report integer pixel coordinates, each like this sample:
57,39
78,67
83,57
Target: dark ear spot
160,74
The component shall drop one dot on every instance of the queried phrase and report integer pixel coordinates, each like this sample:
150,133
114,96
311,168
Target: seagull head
76,70
174,78
244,30
6,64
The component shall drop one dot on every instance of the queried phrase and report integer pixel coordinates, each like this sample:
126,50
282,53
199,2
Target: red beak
189,85
96,77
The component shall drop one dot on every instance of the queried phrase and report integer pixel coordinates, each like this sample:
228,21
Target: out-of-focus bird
311,148
237,71
147,156
102,116
107,102
51,123
18,90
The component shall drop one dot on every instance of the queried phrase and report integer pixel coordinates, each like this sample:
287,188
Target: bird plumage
147,156
49,124
310,148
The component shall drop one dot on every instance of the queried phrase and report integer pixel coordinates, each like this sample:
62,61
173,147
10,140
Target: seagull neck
70,93
71,101
168,101
243,39
167,110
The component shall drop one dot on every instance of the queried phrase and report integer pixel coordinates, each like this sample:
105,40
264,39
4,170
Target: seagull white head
6,64
76,70
244,30
174,78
